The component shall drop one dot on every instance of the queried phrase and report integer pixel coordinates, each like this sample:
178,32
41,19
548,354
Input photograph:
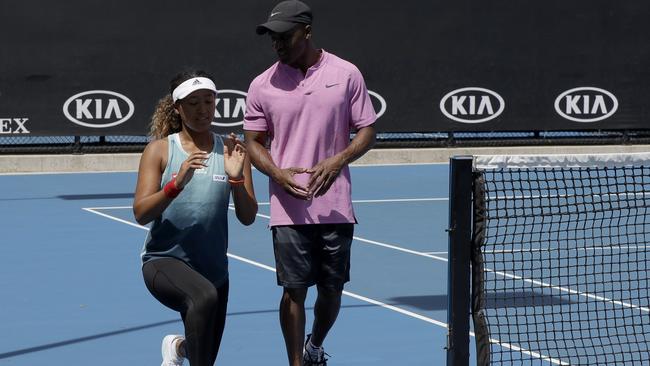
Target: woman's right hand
196,160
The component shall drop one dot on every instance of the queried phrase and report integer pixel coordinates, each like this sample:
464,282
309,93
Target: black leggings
201,304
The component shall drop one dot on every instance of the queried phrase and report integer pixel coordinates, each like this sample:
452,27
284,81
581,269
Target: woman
185,178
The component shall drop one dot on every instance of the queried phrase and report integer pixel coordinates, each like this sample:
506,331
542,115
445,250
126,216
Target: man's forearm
261,159
360,144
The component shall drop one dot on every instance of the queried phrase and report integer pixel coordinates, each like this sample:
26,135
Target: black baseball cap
285,16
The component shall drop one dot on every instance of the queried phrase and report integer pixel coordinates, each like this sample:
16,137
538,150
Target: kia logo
230,108
98,108
472,105
378,102
586,104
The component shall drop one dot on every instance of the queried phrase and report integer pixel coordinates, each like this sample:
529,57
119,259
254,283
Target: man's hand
284,177
323,175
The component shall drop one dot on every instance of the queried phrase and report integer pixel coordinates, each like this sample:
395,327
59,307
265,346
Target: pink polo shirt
308,119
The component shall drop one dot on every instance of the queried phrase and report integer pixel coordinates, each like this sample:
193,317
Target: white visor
193,84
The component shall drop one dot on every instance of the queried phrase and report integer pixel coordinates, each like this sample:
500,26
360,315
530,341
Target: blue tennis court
74,294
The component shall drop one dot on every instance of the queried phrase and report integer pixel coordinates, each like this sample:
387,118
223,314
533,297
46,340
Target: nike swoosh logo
331,85
274,14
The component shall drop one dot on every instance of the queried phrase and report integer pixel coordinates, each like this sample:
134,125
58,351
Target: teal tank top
194,227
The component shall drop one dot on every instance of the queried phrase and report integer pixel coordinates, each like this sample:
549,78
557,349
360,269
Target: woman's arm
150,201
238,168
243,195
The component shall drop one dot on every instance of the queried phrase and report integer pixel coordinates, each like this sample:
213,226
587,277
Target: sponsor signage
13,126
511,77
98,108
472,105
586,104
230,108
378,102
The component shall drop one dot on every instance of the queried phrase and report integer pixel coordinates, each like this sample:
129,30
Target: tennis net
560,259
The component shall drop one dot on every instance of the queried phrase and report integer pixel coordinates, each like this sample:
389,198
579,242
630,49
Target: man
305,107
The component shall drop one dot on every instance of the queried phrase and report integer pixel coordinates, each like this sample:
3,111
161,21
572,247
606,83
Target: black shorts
307,255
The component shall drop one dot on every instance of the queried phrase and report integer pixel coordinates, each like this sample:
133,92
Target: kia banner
99,67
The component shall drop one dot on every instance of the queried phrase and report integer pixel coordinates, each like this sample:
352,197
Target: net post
458,284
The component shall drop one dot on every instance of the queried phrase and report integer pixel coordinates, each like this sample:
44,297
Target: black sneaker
308,360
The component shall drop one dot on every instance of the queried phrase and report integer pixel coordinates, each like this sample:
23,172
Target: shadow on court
425,302
136,329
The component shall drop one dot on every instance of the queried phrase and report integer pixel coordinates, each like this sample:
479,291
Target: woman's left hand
234,155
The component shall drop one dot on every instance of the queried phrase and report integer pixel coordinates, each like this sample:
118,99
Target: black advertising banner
98,67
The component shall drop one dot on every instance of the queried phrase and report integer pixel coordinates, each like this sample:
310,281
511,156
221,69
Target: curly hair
165,121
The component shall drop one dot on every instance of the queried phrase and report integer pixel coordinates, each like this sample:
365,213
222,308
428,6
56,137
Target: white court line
389,246
401,200
66,172
409,251
569,291
264,266
520,197
113,217
390,200
353,201
356,296
512,276
108,208
585,249
442,259
353,165
394,164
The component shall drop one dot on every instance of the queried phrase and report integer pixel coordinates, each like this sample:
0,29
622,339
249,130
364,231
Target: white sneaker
169,355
